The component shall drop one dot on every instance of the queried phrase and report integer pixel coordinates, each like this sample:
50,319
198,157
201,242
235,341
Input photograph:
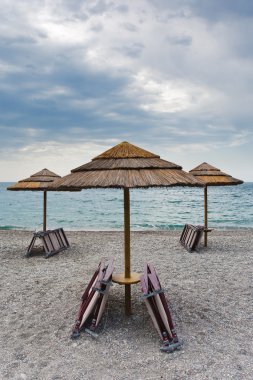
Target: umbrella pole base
120,278
128,307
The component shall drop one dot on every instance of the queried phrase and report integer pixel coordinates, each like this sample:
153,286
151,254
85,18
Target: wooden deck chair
158,309
191,236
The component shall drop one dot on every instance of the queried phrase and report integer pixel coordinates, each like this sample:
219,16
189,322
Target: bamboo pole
45,211
127,250
205,216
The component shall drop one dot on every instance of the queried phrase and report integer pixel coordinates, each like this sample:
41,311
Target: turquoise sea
151,209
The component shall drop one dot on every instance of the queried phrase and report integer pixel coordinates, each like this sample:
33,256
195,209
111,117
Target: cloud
183,40
7,68
166,74
58,157
213,11
100,6
130,27
133,50
159,94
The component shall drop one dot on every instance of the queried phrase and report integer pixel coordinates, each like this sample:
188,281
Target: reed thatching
126,150
39,181
126,166
212,176
126,163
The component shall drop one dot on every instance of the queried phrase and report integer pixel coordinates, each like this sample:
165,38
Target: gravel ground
209,294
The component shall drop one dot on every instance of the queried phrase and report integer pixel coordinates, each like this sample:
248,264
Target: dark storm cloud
27,103
58,114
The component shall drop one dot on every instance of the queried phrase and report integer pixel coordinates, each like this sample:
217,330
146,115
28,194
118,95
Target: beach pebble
209,294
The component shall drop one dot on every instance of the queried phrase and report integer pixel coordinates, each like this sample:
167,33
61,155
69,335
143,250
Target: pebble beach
209,294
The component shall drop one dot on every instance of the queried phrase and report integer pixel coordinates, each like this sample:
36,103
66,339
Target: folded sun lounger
191,236
94,300
158,309
53,241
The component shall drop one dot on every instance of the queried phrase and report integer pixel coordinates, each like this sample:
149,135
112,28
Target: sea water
151,209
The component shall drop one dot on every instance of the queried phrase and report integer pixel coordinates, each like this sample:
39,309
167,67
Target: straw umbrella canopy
212,176
39,181
126,166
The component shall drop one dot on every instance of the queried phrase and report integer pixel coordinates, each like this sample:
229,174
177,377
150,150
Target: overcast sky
172,76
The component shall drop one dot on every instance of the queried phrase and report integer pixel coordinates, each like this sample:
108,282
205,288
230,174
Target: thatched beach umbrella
126,166
212,176
37,182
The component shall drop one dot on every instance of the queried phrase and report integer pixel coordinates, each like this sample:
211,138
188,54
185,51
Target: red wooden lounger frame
158,309
94,298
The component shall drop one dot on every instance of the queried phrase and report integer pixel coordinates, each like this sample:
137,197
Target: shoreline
209,294
177,229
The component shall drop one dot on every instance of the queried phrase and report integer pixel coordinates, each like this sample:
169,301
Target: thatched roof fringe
31,185
127,163
219,180
39,179
126,179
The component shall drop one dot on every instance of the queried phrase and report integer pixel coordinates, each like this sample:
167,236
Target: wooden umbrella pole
206,223
127,250
45,211
127,232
